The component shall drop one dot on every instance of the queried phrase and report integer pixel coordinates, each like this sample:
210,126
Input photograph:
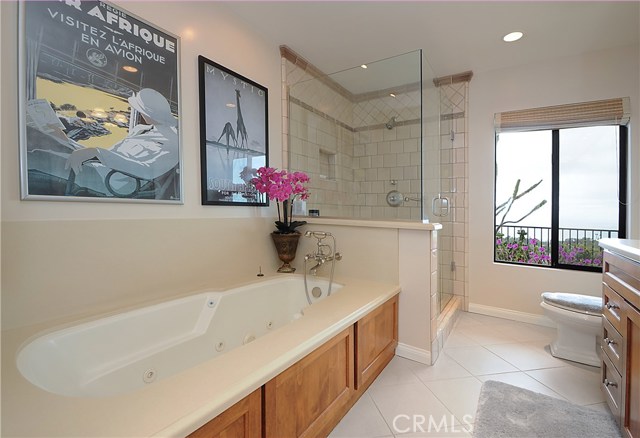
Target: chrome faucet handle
321,247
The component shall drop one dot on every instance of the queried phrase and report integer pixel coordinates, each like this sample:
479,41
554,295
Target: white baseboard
413,353
515,315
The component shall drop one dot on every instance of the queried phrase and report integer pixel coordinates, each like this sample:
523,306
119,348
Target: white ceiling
455,36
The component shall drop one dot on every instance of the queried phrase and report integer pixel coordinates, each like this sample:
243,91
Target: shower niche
365,135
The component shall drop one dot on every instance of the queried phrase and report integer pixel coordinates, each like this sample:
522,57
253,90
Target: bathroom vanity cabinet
309,398
621,341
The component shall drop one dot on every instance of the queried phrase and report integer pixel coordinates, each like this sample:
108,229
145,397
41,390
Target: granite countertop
181,403
628,248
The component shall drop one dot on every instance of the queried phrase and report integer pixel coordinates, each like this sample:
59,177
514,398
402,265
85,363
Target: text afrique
125,49
114,16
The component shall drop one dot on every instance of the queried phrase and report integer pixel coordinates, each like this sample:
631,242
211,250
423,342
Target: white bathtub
127,351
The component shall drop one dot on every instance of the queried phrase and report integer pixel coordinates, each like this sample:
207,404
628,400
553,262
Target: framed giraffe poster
233,135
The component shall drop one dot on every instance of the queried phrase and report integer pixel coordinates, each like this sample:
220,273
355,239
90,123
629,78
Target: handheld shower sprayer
317,234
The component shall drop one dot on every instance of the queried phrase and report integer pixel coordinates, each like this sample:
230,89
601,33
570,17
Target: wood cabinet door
242,420
376,342
309,398
631,373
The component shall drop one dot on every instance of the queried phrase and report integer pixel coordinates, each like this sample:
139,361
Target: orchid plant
283,187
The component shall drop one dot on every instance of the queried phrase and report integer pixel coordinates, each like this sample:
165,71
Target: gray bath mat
511,412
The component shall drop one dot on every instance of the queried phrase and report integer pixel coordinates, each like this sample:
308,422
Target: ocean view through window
557,191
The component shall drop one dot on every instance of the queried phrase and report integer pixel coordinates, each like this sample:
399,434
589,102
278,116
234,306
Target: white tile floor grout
410,399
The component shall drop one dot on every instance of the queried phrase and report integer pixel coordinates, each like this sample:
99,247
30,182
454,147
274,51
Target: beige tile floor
411,399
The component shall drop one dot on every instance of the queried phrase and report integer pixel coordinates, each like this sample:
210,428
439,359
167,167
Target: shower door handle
440,206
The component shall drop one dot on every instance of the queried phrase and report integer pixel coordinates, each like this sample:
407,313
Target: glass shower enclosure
369,138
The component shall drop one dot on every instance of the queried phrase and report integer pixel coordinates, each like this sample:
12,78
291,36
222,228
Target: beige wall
594,76
57,269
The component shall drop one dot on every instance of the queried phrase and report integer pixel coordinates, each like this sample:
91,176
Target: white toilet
579,322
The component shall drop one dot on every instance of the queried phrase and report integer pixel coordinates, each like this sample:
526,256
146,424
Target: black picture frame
234,135
99,105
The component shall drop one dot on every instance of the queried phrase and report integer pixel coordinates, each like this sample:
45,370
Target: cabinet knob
609,341
607,382
611,306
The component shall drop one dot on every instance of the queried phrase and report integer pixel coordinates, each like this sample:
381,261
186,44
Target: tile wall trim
344,125
452,116
453,79
382,125
296,59
320,113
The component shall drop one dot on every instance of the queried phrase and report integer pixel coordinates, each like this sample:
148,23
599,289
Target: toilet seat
584,304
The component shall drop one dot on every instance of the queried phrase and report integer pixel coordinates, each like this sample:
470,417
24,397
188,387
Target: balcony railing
532,245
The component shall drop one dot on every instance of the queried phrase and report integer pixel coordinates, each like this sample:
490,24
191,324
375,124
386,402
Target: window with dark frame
559,187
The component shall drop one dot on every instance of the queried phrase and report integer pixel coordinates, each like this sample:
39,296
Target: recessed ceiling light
511,37
129,68
392,95
364,66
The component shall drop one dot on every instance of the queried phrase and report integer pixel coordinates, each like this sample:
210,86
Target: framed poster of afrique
99,105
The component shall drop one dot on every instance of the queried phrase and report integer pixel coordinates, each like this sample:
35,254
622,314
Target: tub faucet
319,262
323,252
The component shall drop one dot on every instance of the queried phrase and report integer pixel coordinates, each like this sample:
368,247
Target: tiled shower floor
411,399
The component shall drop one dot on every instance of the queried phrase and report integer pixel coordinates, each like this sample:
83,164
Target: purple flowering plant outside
580,255
284,188
521,250
577,252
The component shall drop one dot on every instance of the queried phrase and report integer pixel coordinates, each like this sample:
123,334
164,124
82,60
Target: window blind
600,112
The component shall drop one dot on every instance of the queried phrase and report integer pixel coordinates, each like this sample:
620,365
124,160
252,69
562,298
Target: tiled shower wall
453,244
352,158
314,133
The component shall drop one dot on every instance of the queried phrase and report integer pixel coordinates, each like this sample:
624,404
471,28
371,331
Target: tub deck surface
179,404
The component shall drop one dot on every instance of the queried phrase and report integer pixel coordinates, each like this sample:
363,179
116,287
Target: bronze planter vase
286,247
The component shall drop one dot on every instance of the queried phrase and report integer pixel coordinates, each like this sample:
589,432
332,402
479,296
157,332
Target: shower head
391,123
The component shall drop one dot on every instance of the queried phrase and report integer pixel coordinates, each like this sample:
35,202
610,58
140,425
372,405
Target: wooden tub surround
309,398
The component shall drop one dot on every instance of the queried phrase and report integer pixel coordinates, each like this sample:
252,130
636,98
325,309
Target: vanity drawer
622,276
612,344
611,385
613,306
